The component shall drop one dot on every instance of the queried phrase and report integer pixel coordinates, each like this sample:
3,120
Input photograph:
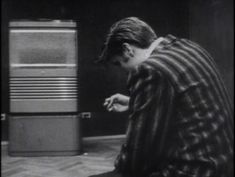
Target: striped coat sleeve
150,109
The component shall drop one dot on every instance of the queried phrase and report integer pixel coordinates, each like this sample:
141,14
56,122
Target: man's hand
117,103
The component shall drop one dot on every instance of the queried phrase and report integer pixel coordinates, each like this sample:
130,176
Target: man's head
125,41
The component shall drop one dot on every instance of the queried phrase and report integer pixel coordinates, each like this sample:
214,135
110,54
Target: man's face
123,61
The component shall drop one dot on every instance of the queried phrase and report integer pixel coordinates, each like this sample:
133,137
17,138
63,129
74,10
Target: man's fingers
109,102
115,103
113,108
110,109
106,101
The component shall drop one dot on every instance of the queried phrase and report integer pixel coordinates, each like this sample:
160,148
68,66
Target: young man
181,120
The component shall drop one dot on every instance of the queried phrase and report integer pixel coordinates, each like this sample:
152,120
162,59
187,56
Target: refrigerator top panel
43,23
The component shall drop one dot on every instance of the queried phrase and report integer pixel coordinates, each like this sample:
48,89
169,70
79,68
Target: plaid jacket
181,120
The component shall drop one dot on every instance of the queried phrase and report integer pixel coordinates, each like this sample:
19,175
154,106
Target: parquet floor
98,158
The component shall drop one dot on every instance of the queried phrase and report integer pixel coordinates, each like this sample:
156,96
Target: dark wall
212,26
181,18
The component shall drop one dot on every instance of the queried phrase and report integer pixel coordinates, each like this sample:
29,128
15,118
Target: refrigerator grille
43,88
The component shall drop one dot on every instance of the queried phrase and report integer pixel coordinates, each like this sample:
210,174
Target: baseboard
122,136
92,138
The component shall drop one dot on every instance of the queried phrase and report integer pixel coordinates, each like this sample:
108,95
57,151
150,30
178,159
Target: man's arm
150,109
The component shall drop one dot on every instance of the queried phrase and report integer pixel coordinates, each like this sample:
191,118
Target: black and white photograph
117,88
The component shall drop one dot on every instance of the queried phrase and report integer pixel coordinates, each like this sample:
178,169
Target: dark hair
131,30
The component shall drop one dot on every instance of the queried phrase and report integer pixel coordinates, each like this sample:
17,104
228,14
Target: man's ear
127,50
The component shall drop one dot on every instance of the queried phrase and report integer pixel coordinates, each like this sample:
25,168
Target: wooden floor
98,158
